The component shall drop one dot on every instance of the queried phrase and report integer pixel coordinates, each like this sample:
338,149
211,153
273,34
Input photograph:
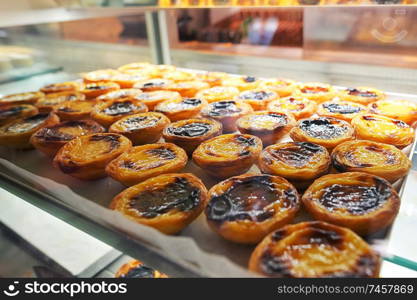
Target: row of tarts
109,124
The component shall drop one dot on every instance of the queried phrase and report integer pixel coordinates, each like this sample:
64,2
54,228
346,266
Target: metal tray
197,251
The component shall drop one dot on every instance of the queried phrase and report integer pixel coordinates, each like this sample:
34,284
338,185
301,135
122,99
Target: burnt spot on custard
55,134
120,108
245,141
162,153
298,154
249,79
397,123
67,109
247,199
28,123
180,195
278,119
323,128
139,272
355,199
273,265
361,93
140,122
112,139
190,130
156,83
96,87
191,101
256,95
338,108
224,108
11,111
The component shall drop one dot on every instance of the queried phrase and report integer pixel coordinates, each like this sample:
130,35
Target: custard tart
325,131
21,98
16,134
378,159
180,109
314,249
383,129
244,209
362,202
361,95
343,110
120,94
226,112
12,112
74,110
95,89
99,75
315,91
50,139
136,269
299,162
298,106
228,154
143,128
167,202
143,162
403,110
151,85
152,99
268,126
283,87
243,83
188,88
127,81
190,133
178,75
258,98
218,93
213,78
68,86
86,157
47,103
110,111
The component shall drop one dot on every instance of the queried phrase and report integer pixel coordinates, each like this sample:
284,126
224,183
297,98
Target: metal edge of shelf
110,236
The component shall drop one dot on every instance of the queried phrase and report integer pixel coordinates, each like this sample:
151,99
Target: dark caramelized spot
224,108
139,272
55,134
249,79
180,195
112,139
120,108
355,199
247,199
369,118
275,265
157,83
140,122
163,153
190,129
297,154
11,111
28,124
192,101
278,235
400,124
67,109
323,128
245,141
366,94
96,87
256,95
390,157
341,108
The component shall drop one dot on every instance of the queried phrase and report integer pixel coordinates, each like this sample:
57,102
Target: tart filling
243,83
188,88
362,202
99,75
167,202
86,157
228,155
218,93
12,112
325,131
403,110
51,138
299,107
258,98
69,86
341,109
152,84
136,269
361,95
188,134
106,113
143,162
268,126
47,103
74,110
246,208
383,129
180,109
21,98
378,159
299,161
152,99
120,94
318,92
283,87
314,249
142,128
95,89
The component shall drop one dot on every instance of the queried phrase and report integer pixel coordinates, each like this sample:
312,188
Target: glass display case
45,42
